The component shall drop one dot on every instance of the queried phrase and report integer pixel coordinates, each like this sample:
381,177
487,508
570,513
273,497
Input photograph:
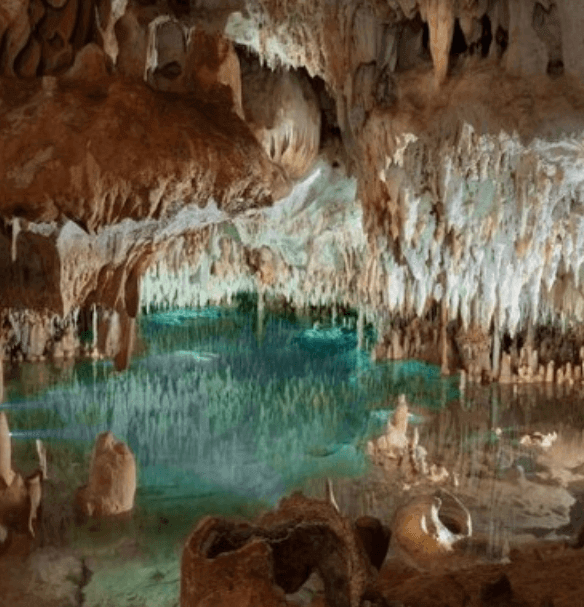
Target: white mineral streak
514,216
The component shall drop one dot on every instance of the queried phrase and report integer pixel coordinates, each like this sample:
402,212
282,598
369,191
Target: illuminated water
220,408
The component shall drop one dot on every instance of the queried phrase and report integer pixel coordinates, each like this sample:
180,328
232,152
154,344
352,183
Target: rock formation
426,529
238,563
20,499
112,479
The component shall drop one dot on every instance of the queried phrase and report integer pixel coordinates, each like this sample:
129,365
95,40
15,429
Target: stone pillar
360,324
496,348
445,368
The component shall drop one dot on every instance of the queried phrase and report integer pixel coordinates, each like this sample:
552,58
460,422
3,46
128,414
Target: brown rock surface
112,479
281,550
77,173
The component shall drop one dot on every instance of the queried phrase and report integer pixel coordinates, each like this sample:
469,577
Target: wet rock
112,479
234,563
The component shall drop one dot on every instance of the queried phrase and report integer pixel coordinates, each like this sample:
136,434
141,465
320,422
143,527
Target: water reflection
224,408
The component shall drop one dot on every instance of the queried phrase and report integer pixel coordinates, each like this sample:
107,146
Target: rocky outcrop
239,563
112,479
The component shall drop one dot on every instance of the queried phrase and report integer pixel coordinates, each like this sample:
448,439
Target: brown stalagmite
440,17
5,451
112,479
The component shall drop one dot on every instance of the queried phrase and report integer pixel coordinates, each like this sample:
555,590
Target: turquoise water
220,406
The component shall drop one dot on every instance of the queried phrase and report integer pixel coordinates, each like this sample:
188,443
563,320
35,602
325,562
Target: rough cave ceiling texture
386,154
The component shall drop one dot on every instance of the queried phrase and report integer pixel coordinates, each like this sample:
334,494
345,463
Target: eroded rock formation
239,563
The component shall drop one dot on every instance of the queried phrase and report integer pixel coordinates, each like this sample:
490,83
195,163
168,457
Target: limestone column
445,369
496,348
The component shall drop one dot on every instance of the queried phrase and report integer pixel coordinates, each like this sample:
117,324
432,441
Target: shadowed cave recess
344,209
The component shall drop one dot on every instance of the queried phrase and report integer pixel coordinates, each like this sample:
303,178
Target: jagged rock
273,556
112,479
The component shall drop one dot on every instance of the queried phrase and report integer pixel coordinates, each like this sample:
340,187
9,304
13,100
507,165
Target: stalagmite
360,326
549,374
6,472
505,376
112,479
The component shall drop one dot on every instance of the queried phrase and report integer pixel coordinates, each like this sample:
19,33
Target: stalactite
15,232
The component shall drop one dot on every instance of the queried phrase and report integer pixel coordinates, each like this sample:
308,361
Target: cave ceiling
390,155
